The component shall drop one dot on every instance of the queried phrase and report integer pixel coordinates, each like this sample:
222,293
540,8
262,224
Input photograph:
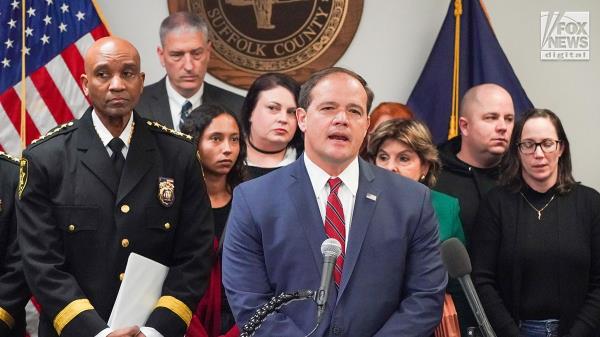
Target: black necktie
186,110
117,159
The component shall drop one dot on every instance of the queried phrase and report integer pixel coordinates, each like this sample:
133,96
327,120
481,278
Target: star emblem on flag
57,35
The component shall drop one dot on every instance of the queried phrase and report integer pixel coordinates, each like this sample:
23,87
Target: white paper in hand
139,292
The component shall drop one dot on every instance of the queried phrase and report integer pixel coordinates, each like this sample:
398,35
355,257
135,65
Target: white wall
395,37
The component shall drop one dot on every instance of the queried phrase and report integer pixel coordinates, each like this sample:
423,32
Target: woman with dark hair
268,117
536,246
405,147
221,150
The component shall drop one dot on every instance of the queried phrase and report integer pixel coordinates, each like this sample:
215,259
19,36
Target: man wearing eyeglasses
470,163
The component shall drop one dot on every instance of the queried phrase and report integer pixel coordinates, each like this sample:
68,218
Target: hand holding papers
139,292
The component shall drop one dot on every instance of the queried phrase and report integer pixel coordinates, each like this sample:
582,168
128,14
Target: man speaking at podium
389,279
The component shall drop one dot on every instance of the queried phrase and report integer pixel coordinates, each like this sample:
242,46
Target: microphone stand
484,325
331,249
273,304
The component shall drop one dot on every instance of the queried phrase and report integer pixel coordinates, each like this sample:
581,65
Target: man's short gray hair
182,21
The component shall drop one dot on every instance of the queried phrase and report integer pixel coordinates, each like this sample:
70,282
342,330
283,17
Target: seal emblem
251,37
166,191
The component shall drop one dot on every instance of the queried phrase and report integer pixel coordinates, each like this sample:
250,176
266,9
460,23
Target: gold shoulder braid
9,157
53,131
157,125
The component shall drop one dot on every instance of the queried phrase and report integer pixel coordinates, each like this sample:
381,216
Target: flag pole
102,17
23,78
453,128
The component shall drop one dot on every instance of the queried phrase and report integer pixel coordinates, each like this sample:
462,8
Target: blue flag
480,60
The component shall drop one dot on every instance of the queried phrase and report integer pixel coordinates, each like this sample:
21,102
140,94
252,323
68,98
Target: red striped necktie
335,225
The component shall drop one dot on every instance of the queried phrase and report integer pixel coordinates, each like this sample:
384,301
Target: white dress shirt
105,137
347,192
176,102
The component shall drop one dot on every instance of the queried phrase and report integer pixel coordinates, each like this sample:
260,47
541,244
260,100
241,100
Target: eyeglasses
547,146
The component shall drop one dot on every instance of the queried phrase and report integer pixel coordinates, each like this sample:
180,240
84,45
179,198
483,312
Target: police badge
166,191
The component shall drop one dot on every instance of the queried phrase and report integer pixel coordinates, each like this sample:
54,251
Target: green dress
447,211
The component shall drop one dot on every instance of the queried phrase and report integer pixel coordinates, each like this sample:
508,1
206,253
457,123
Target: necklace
539,211
264,151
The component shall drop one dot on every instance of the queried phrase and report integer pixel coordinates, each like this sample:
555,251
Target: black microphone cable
270,307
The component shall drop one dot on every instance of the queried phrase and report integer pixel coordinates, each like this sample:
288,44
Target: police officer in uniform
99,188
13,289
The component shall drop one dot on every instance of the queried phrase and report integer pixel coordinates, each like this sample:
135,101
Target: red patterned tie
335,226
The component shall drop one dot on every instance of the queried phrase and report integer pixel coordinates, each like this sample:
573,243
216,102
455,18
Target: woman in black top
268,117
221,150
536,246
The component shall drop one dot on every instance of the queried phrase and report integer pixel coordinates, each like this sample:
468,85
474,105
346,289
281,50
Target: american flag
57,34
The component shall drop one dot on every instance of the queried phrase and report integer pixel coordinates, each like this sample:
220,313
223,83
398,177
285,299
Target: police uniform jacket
13,289
79,223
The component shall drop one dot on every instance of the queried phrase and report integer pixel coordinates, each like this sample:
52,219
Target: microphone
331,249
458,263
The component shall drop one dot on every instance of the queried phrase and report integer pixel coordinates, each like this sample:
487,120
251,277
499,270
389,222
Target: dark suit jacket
154,103
74,216
13,289
393,279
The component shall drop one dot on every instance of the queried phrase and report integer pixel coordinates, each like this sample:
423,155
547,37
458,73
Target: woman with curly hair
222,151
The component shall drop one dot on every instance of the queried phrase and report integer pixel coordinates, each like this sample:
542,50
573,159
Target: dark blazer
154,103
393,279
14,293
78,224
497,244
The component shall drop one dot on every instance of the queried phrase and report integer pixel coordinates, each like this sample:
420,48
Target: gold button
125,208
167,225
121,276
71,228
125,243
